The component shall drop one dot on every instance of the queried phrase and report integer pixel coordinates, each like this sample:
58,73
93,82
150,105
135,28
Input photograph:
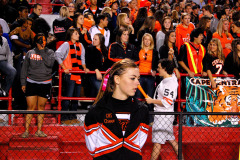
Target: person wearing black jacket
116,126
122,48
232,62
204,25
96,55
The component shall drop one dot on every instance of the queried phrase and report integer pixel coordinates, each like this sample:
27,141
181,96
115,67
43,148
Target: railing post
59,93
180,136
10,106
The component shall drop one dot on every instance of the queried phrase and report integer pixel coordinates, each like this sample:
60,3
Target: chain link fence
165,140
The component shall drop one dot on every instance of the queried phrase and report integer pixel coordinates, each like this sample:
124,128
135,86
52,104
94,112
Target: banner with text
200,97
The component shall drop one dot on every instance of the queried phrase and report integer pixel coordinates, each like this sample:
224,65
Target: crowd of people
196,37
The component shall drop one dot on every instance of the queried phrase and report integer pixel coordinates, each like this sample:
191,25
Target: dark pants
71,90
148,85
95,85
10,73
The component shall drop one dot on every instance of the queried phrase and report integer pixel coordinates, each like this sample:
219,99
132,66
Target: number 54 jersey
166,91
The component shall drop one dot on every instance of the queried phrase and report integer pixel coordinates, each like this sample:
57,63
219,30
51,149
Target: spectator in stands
169,50
141,16
204,25
61,25
232,62
6,63
16,3
167,25
213,60
122,49
192,53
118,112
194,15
101,24
71,55
114,7
7,12
147,27
224,36
164,98
37,11
23,13
36,79
40,25
93,9
4,25
124,21
96,56
207,11
84,36
236,29
72,8
183,30
23,34
148,61
188,8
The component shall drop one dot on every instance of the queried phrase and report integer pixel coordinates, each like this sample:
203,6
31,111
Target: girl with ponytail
116,115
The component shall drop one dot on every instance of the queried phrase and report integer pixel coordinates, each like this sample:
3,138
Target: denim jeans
95,85
148,85
10,73
71,90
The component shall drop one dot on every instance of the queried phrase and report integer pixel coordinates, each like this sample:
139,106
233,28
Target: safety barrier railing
178,100
9,98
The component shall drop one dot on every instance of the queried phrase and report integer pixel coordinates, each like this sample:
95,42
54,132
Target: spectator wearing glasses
71,8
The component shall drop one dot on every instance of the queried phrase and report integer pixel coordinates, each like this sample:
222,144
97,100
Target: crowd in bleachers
200,36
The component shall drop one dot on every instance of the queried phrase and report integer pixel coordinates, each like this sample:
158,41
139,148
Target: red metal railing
178,100
9,99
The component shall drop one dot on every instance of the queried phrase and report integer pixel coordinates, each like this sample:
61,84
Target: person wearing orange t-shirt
183,30
223,35
148,61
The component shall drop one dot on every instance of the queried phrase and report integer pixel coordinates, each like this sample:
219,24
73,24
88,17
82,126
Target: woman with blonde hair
148,61
213,61
124,21
61,25
224,36
175,17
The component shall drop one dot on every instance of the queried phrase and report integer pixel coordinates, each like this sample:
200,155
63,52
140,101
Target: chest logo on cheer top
109,118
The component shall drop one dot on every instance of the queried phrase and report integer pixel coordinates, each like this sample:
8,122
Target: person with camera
36,79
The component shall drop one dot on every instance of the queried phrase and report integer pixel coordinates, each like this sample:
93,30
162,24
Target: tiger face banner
200,97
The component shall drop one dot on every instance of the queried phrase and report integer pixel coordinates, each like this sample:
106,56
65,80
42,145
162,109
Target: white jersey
166,91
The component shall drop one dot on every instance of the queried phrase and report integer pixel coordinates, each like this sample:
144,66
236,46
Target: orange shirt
145,61
224,40
157,27
183,34
101,30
